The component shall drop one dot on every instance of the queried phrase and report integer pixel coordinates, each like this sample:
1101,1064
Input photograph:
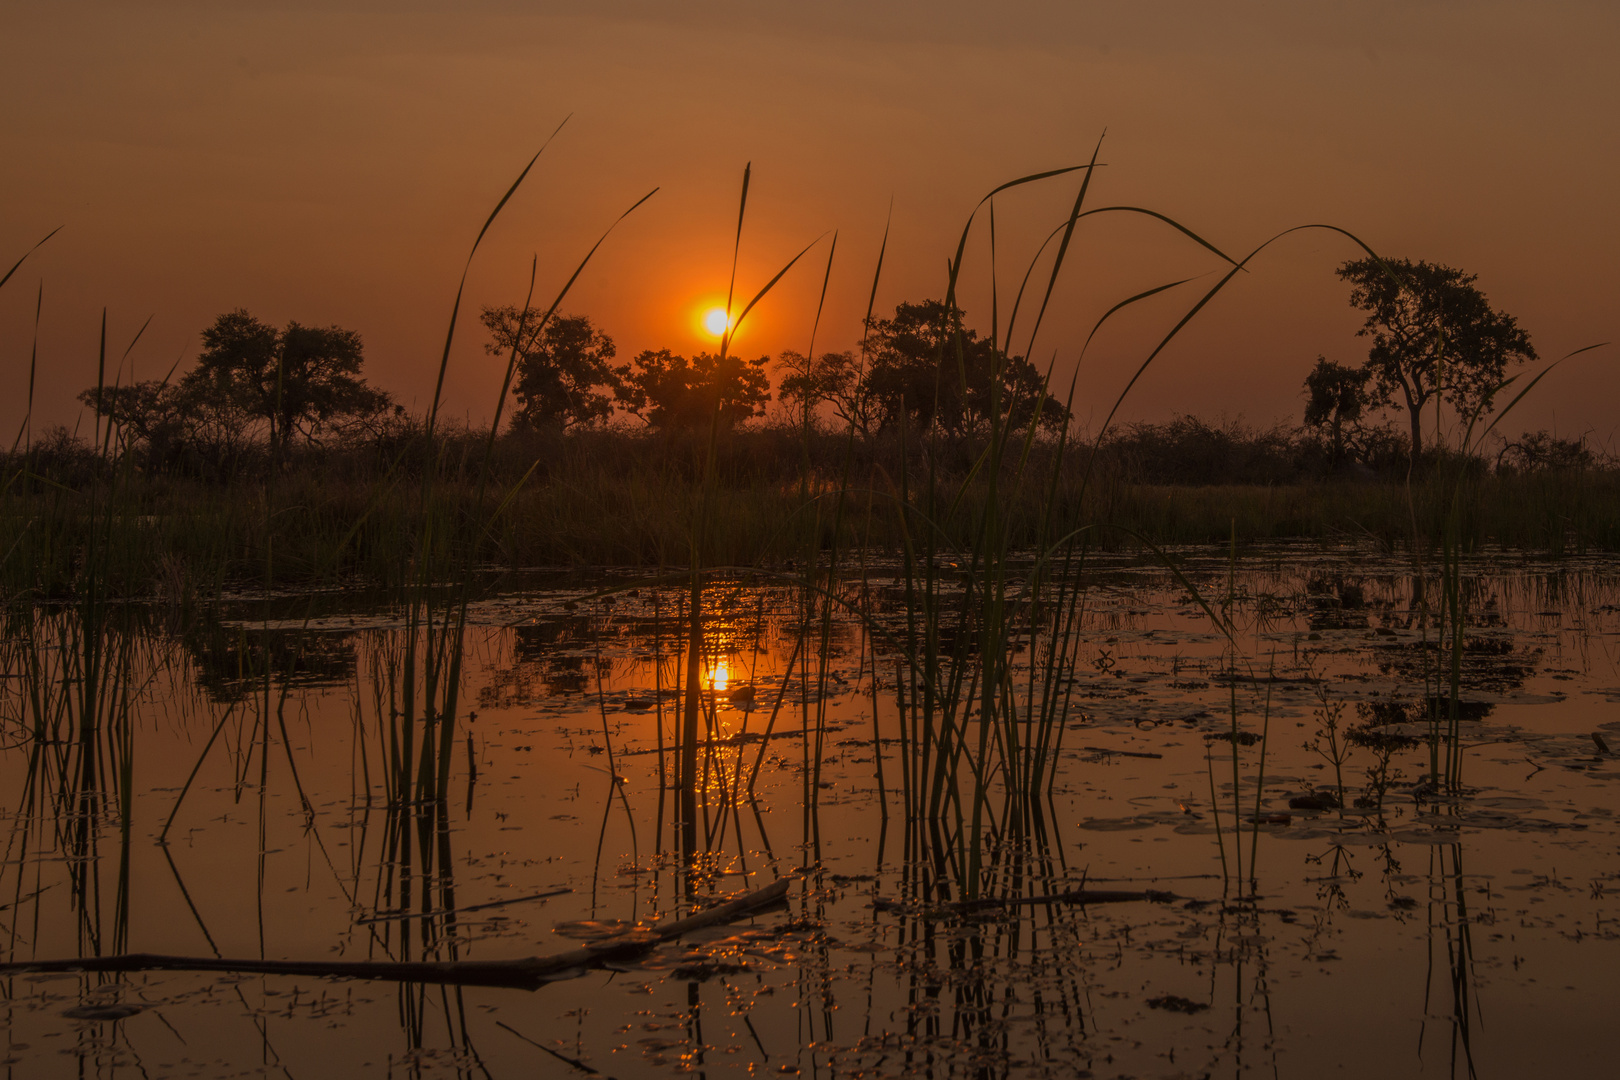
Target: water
1417,934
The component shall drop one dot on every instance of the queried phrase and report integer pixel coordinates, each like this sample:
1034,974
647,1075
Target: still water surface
1411,933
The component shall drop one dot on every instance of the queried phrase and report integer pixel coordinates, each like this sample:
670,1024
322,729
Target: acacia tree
670,391
925,365
153,418
1336,397
834,378
1433,335
564,374
299,379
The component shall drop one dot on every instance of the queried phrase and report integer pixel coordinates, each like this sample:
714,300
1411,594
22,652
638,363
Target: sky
332,162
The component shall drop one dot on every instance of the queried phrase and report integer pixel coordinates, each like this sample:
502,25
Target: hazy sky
331,163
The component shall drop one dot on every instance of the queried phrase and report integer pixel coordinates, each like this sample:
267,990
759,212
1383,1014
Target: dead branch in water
528,973
1072,896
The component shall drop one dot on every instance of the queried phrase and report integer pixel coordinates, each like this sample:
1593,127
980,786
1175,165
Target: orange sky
330,162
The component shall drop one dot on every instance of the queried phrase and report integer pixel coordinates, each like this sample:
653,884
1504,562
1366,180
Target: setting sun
714,321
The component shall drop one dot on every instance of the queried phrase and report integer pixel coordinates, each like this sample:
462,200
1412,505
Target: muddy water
1412,932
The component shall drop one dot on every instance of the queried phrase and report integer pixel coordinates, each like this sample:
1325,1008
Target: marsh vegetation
1033,766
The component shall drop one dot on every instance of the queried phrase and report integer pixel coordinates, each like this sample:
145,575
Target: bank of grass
1552,513
626,501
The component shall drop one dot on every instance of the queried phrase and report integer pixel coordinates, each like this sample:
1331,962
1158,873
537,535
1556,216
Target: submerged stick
1071,896
528,973
396,916
1119,753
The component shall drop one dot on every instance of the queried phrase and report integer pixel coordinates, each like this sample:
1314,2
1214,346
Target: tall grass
992,538
1445,736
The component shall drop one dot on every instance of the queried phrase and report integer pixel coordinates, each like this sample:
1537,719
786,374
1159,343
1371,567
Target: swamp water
1414,932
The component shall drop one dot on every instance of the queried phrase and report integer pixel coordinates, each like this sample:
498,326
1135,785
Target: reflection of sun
715,321
719,676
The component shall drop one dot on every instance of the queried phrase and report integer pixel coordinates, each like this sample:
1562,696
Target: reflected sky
1478,928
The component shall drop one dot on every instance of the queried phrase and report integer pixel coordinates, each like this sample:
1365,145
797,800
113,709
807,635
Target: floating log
528,973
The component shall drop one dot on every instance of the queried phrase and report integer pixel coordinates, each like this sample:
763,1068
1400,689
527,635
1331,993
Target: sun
714,321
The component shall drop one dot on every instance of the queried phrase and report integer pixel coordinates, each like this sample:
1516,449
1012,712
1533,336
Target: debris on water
701,970
1175,1004
102,1012
592,929
1239,738
1121,753
1370,738
1319,800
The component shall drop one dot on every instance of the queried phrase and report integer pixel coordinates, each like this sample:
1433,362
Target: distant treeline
354,509
261,399
1185,451
274,461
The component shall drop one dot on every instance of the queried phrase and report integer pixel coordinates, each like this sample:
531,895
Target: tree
149,415
670,391
1433,334
926,366
1336,397
299,379
563,372
1538,450
833,377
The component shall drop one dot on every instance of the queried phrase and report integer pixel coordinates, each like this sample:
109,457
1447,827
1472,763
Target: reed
982,748
1452,487
992,539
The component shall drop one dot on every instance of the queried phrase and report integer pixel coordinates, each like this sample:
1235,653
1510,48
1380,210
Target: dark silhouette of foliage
1188,450
564,374
152,415
834,378
925,366
1433,333
300,379
671,392
1336,398
1537,451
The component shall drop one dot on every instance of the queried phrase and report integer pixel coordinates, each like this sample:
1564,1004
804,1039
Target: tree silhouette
671,392
300,379
1336,397
833,377
1433,334
925,366
563,372
152,415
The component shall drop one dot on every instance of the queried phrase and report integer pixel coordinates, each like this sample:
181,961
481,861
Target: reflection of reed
962,978
1451,941
409,874
80,672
